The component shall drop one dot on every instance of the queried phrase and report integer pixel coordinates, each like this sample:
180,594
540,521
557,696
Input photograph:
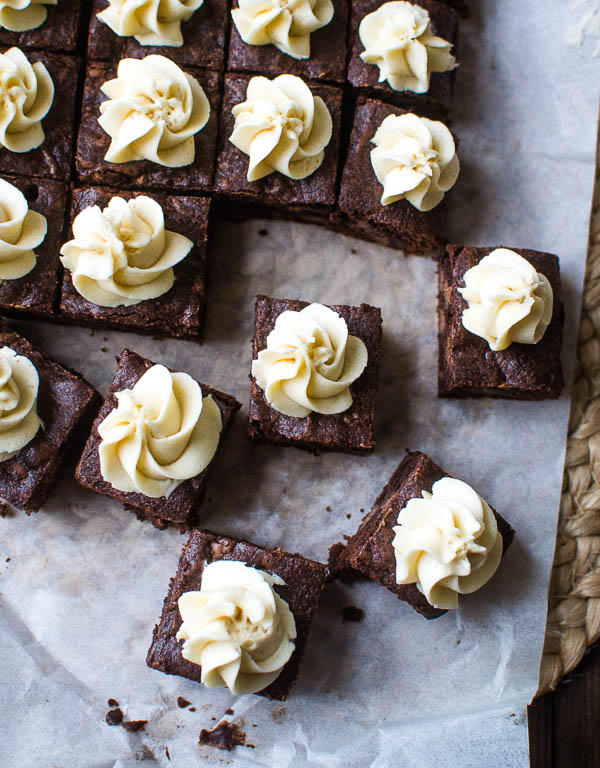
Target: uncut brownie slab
308,199
364,77
467,367
304,580
328,52
60,31
52,159
93,142
65,405
37,292
181,507
370,552
204,38
350,431
360,211
179,313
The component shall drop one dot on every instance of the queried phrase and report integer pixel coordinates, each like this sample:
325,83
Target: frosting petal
19,383
21,230
23,15
150,22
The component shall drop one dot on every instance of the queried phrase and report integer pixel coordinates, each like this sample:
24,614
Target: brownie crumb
224,736
133,726
167,753
114,717
349,515
182,703
350,613
328,508
5,510
229,711
353,251
8,559
263,232
104,349
193,709
113,703
145,753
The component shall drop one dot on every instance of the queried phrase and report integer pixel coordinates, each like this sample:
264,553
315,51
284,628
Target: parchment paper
85,581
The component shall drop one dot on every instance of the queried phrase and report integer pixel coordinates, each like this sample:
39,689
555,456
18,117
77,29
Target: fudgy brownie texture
370,551
66,402
52,159
350,431
60,31
93,142
360,212
181,507
328,52
308,199
304,580
365,77
204,38
179,313
37,293
467,367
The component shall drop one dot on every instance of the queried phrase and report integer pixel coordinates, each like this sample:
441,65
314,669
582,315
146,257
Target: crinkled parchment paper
85,581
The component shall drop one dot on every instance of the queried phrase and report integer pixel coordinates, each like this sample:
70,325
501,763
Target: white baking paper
85,581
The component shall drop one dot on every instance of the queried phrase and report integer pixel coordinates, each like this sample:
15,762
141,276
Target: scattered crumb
167,753
362,511
229,711
224,736
278,714
192,709
5,510
213,718
104,349
113,703
133,726
263,232
353,251
114,717
350,613
182,703
145,753
349,515
254,725
328,508
8,559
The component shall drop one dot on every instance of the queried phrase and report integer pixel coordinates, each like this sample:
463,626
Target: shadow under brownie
60,31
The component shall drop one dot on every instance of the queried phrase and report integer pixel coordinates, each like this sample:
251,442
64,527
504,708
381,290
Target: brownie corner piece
304,581
467,367
348,432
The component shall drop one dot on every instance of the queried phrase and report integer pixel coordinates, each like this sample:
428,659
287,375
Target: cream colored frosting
398,39
282,127
414,159
19,383
287,24
161,433
153,111
21,230
447,543
151,22
26,95
309,363
123,255
236,627
509,301
22,15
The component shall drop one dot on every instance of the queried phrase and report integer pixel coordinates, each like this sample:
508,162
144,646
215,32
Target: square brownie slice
467,367
304,580
350,431
93,142
37,292
308,199
60,31
179,313
65,405
370,553
364,77
359,210
52,159
181,507
204,39
328,52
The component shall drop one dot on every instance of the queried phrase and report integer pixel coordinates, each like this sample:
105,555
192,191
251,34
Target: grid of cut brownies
304,580
181,508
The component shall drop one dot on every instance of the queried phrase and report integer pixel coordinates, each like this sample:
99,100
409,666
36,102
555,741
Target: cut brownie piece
93,142
52,159
308,199
60,31
181,507
360,211
37,292
179,313
304,580
66,402
467,367
204,38
370,551
350,431
365,77
328,52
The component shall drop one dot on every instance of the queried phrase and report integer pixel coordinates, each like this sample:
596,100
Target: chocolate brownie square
359,210
308,199
350,431
204,37
328,52
180,509
60,31
179,313
365,77
37,292
467,367
370,552
65,404
52,159
304,580
93,142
